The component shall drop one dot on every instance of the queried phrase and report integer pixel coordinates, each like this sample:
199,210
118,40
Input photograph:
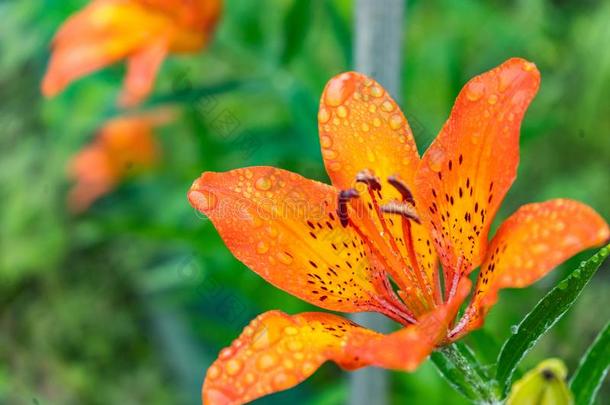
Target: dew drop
233,367
308,368
395,121
213,372
528,66
376,122
370,156
295,345
475,91
263,184
387,106
372,108
225,353
493,99
249,379
338,90
342,111
329,153
326,141
365,127
291,330
266,361
323,115
262,247
514,329
204,200
376,91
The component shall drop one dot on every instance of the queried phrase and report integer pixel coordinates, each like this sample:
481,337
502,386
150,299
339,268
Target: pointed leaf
546,313
592,369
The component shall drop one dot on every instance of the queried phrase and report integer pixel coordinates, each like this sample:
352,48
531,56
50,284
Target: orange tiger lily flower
388,215
141,31
123,146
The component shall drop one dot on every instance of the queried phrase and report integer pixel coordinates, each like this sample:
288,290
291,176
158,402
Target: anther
402,208
367,177
343,199
402,189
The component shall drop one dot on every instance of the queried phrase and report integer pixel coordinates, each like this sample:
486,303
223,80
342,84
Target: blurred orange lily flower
141,31
122,147
388,215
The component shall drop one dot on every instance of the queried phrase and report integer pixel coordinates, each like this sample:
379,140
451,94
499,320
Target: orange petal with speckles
362,127
286,229
464,175
529,244
278,351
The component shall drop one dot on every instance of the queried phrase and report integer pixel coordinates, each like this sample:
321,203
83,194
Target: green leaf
592,369
546,313
296,25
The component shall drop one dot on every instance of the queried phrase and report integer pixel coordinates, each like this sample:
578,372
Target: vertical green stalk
378,46
457,364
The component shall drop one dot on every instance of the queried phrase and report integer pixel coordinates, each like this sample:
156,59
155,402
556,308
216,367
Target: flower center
387,230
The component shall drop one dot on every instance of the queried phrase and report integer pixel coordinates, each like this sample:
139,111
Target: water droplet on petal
203,200
493,99
364,127
226,353
291,330
528,66
326,141
329,153
249,379
266,361
395,121
339,89
475,91
323,115
233,367
387,106
213,372
376,91
262,247
342,111
263,184
376,122
295,345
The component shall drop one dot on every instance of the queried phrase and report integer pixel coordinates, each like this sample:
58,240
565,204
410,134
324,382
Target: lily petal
99,35
465,174
531,243
142,69
278,351
285,228
362,127
407,348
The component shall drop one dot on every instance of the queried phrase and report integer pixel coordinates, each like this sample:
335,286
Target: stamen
404,209
344,197
367,177
402,189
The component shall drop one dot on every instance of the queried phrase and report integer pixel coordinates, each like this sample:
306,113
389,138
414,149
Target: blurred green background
129,302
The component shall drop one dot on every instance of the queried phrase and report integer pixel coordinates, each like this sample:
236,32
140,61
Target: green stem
459,366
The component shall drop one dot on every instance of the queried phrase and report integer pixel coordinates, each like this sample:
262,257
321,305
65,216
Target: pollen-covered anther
343,200
401,208
402,188
367,177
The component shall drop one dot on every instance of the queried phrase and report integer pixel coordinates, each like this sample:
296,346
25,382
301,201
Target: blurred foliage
130,302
